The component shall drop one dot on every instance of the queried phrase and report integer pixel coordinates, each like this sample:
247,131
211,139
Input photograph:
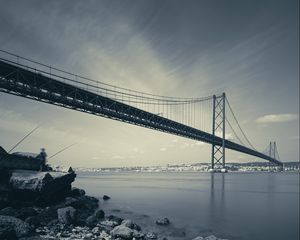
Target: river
233,205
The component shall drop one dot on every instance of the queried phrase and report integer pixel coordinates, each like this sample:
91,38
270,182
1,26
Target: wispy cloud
277,118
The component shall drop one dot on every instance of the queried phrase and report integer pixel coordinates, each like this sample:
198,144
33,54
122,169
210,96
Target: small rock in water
105,197
163,221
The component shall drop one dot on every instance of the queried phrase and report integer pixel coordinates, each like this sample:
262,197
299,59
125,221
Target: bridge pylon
218,151
273,153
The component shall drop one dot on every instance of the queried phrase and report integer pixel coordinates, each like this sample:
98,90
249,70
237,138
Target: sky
194,48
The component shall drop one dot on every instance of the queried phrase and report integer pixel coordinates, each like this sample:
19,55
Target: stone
20,227
211,237
198,238
7,232
91,221
21,213
150,235
115,219
39,187
77,192
162,221
122,232
43,218
104,236
130,224
9,211
137,235
109,223
70,201
105,197
100,214
26,212
66,215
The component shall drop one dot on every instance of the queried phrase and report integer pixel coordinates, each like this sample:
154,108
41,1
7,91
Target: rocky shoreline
77,216
43,205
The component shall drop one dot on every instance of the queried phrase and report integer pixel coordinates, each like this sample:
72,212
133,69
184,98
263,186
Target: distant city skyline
248,49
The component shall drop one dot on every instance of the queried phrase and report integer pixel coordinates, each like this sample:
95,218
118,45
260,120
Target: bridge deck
36,85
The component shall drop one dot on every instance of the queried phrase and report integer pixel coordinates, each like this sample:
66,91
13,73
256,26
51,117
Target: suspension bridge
202,119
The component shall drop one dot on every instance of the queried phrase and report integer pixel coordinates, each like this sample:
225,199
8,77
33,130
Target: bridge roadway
26,82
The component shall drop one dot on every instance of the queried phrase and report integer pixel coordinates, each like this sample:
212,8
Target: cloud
163,149
277,118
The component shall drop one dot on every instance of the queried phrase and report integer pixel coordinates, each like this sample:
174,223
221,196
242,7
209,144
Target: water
233,205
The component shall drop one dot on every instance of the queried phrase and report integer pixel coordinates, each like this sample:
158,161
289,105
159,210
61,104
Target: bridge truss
176,116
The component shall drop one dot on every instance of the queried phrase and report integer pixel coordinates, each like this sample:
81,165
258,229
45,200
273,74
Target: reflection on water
243,206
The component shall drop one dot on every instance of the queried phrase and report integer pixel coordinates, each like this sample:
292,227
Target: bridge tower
273,153
218,151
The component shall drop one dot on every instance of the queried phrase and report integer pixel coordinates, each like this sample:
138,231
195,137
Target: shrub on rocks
20,227
66,215
163,221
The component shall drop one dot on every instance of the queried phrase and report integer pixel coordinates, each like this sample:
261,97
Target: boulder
130,224
9,211
77,192
7,232
100,214
109,223
105,197
20,227
21,213
91,221
198,238
162,221
122,232
85,207
115,219
137,235
43,218
66,215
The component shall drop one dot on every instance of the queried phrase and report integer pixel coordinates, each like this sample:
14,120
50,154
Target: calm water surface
234,205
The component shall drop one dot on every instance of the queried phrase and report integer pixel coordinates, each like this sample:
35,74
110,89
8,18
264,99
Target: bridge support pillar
218,129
